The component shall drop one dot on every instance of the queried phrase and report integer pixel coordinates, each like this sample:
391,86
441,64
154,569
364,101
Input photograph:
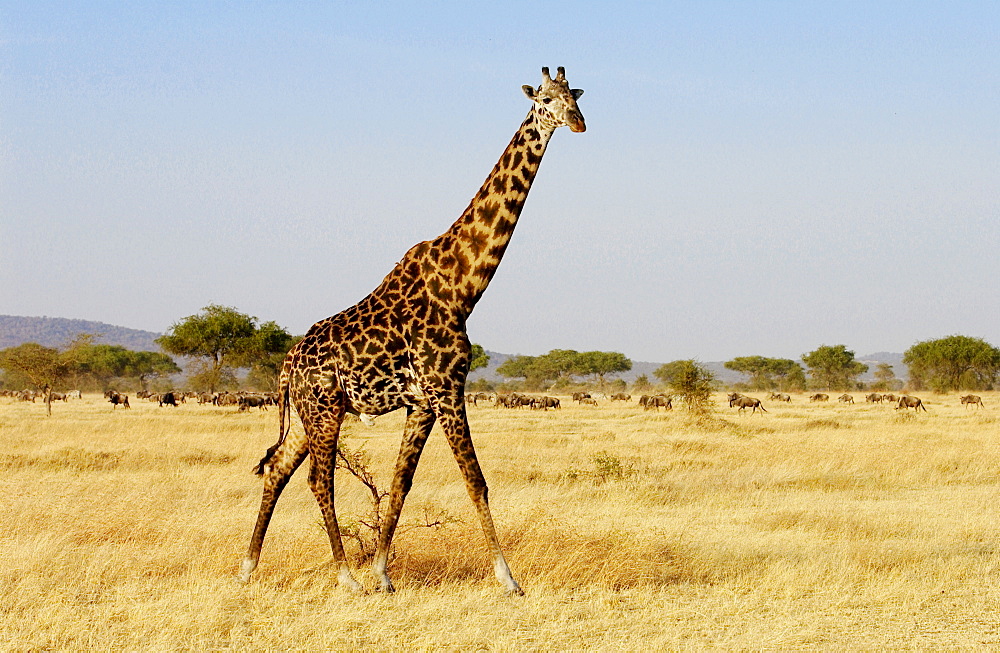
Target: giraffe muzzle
576,124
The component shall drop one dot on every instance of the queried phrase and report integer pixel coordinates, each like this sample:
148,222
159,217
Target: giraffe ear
577,92
529,91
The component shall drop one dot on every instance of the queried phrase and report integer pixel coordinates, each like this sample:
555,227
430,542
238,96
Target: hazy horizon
756,179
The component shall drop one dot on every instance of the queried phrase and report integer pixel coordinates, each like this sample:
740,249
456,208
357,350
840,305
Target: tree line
220,341
943,364
216,342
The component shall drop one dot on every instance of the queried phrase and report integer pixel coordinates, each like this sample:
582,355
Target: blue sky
756,178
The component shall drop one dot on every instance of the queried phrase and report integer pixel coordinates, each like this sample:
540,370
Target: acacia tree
691,381
642,384
602,363
885,378
834,367
769,373
536,376
33,365
953,363
561,365
224,339
103,364
44,368
478,358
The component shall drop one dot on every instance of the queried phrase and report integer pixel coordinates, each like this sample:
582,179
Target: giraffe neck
472,248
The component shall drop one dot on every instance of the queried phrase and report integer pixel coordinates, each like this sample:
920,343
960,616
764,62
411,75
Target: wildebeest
621,396
906,401
657,402
246,402
732,397
972,400
819,396
169,399
472,398
889,397
547,402
745,402
873,398
117,399
845,398
590,401
578,396
780,396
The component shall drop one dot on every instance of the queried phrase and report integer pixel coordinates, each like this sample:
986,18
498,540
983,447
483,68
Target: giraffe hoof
346,580
245,570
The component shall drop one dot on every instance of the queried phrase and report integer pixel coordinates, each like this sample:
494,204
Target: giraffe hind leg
282,462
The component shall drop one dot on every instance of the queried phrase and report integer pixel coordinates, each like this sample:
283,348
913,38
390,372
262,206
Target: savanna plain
811,526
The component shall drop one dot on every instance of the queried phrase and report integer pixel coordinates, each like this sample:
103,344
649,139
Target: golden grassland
814,525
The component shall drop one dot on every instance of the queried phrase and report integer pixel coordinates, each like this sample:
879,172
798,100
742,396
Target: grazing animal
246,402
972,400
783,397
873,398
732,397
169,399
906,401
657,402
621,396
549,402
747,402
590,401
891,398
405,345
819,396
846,399
117,399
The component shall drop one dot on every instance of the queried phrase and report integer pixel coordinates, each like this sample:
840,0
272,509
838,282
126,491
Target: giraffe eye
546,100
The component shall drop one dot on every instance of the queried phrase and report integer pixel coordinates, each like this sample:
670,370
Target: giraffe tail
284,423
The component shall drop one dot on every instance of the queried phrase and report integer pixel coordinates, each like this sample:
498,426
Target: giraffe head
555,101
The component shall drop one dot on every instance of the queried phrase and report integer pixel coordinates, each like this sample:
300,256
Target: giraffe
405,346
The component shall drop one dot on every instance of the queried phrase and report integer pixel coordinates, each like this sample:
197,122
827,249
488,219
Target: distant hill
58,331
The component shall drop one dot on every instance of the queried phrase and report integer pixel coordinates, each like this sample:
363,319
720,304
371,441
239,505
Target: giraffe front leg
418,426
455,424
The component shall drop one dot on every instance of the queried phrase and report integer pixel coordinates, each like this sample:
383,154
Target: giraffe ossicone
405,346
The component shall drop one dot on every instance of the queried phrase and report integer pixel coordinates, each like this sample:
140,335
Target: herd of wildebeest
244,401
655,402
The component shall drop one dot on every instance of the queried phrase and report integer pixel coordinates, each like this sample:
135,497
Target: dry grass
812,526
